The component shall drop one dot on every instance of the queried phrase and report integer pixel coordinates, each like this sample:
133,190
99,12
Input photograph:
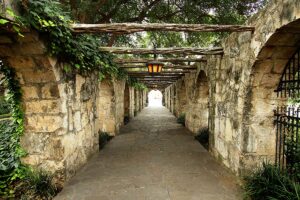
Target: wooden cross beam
159,79
174,50
127,28
146,60
132,66
164,72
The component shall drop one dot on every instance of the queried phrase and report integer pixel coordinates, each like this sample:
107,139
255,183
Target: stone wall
111,102
63,113
241,87
60,110
180,98
131,102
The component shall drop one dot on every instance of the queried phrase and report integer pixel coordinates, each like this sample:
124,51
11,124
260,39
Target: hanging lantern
154,67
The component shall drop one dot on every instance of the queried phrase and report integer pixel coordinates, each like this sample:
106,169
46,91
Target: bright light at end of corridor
155,98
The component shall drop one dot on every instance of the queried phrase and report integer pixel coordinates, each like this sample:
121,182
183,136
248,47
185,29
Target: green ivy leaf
3,21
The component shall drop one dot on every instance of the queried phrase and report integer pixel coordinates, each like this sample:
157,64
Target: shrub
37,185
203,137
4,106
181,119
104,137
292,152
271,183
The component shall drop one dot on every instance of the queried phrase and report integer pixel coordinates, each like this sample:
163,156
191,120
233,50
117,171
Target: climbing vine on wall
11,130
81,52
133,82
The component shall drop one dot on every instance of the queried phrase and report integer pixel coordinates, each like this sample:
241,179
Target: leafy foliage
181,119
81,52
10,132
4,106
166,11
270,183
203,137
36,185
133,82
292,154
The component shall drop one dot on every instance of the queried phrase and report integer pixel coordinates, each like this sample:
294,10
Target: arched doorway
275,81
155,98
197,115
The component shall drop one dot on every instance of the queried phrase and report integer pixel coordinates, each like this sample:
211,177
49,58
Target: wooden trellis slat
127,28
146,60
161,73
174,50
130,66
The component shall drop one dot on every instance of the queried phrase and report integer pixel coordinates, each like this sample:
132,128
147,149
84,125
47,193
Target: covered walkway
153,158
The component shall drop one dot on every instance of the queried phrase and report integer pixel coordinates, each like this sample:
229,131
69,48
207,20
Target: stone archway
265,77
197,117
60,111
181,100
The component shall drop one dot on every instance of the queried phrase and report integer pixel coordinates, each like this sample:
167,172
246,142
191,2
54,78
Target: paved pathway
154,158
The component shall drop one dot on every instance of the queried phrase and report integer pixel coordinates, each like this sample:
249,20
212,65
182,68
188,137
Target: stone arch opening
181,99
155,98
59,111
260,135
38,76
197,117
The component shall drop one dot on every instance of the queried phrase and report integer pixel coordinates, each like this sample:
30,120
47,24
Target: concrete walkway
154,158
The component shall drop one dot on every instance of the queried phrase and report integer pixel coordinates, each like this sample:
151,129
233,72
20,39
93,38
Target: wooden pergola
136,67
128,28
163,51
176,66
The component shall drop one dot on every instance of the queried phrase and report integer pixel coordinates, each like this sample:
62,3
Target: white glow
155,98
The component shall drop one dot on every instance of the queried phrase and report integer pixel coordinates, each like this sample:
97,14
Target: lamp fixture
154,66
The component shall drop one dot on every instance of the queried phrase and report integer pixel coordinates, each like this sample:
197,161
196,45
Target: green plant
80,51
269,182
37,185
181,119
292,152
11,168
104,137
133,82
203,137
4,106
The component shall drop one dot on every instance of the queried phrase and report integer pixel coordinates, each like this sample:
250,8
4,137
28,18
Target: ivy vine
11,168
81,52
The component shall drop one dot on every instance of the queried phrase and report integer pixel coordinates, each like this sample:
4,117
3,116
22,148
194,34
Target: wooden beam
132,66
161,73
159,79
127,28
146,60
174,50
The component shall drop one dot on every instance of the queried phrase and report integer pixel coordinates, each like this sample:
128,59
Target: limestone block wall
119,88
59,110
180,98
126,101
138,101
131,102
111,104
241,87
189,95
